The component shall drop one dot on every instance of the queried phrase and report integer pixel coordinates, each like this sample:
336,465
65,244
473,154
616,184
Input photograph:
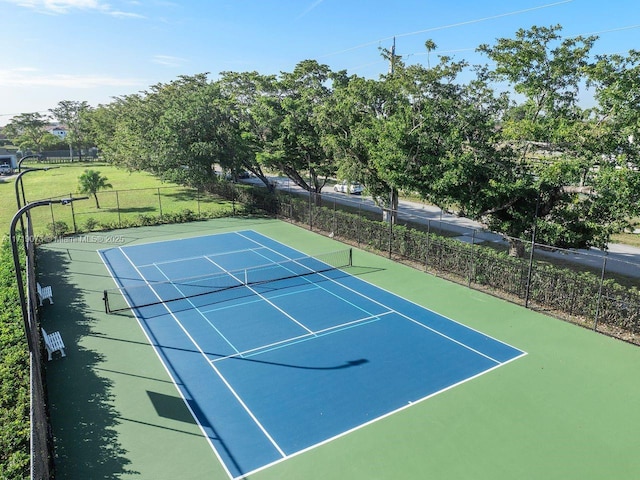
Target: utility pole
392,197
392,57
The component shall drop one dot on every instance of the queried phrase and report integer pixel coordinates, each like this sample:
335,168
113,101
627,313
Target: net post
105,297
350,257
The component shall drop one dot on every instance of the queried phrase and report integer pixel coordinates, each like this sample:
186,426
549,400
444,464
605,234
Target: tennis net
145,294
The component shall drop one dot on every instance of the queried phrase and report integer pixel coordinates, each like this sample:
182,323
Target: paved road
622,259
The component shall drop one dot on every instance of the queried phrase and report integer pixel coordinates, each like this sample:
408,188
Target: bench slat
45,293
53,343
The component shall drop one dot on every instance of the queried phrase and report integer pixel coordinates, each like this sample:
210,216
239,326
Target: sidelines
347,285
283,343
359,293
218,373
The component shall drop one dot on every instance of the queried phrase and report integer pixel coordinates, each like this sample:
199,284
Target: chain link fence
40,433
590,288
113,209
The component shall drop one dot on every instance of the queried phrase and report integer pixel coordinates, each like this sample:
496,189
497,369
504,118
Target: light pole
16,256
24,199
24,158
19,181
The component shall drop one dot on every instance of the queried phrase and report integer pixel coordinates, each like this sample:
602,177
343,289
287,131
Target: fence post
310,214
533,246
390,214
73,214
529,271
359,222
160,203
604,268
473,242
118,208
53,221
426,254
335,221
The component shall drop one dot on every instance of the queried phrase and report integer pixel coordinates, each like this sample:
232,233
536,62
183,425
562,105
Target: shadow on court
218,356
82,416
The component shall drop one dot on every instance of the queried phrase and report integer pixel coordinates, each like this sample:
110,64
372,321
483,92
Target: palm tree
91,181
430,46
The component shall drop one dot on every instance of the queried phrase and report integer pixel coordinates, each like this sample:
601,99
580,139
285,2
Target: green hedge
556,289
14,375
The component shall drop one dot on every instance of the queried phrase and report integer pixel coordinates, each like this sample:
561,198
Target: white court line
284,457
264,298
198,257
302,254
308,336
437,332
224,380
198,310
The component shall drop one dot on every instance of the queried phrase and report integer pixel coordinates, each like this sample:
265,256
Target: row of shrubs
582,296
61,228
14,374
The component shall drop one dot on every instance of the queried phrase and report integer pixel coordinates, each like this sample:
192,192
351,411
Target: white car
346,187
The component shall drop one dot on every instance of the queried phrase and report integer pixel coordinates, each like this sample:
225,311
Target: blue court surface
271,369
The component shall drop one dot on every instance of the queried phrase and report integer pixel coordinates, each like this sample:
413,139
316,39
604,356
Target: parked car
346,187
5,169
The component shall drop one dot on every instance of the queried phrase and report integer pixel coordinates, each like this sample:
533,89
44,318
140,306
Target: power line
443,27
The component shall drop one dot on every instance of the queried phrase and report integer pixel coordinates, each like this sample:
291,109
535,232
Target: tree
397,133
358,112
430,46
547,71
177,131
72,114
192,130
91,182
27,131
246,96
546,129
293,144
614,139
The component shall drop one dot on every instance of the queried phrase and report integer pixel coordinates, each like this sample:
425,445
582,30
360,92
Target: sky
98,50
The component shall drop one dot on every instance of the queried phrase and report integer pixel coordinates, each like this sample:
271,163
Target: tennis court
565,410
275,353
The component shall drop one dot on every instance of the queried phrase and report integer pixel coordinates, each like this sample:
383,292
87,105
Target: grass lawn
133,194
632,239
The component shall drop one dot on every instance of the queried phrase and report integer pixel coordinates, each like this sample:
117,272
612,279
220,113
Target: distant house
8,163
59,131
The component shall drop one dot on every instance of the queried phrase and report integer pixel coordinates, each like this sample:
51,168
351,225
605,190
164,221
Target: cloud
168,60
31,77
310,7
61,7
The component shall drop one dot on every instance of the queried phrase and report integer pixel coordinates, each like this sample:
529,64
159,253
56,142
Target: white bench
53,343
45,293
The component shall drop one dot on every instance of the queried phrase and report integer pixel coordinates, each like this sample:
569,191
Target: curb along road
622,259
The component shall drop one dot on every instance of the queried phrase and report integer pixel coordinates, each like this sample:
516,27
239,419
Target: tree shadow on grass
187,196
131,210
